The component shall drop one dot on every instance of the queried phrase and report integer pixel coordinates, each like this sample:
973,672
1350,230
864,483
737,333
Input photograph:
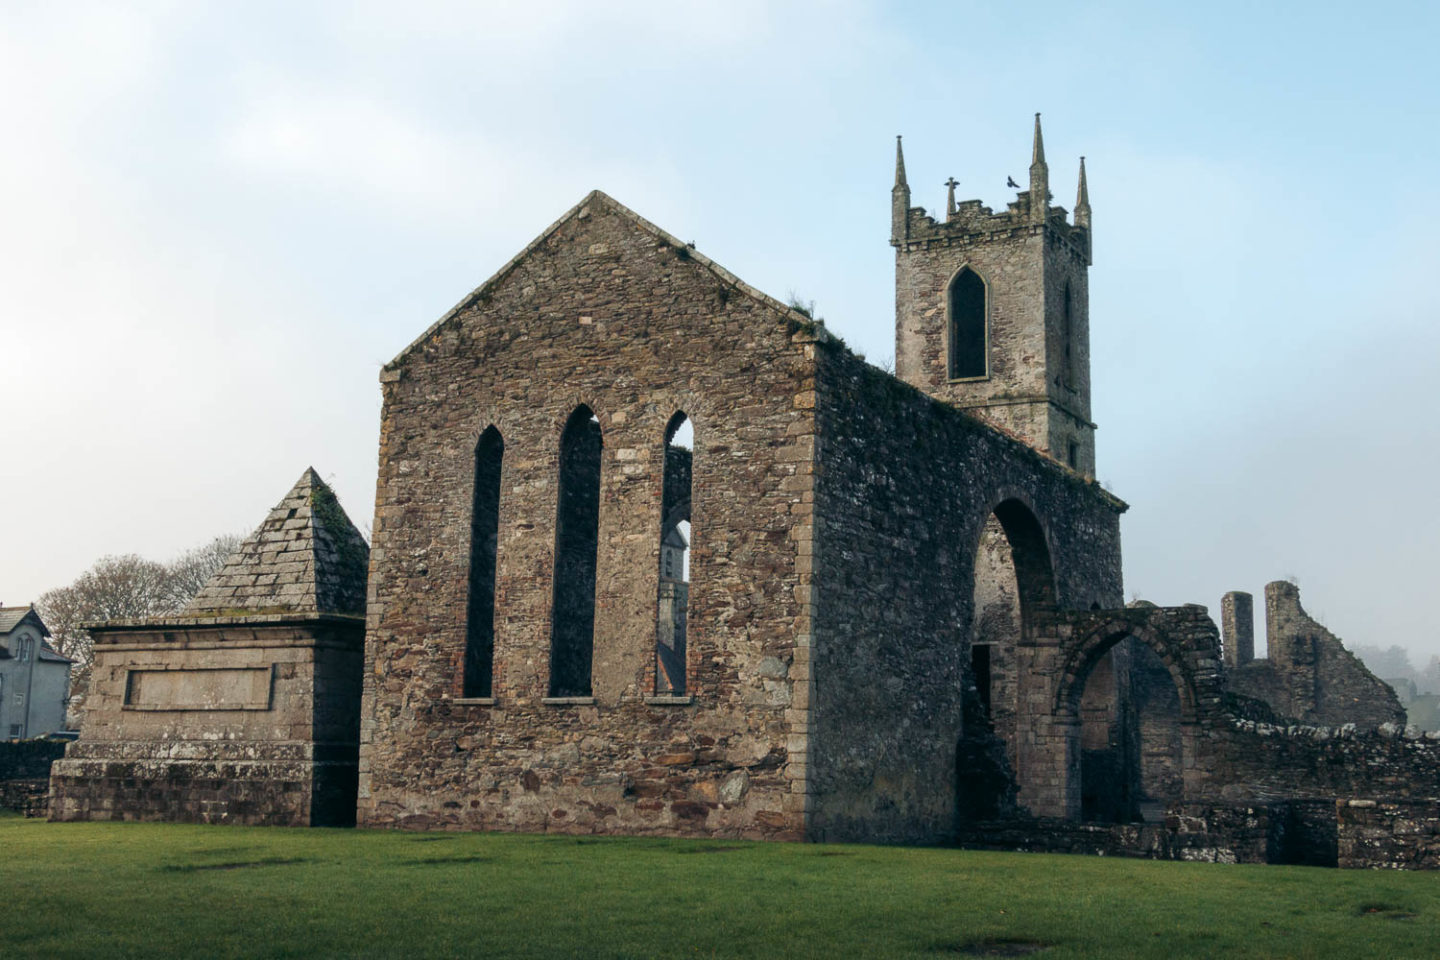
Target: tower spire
899,200
1083,209
1039,179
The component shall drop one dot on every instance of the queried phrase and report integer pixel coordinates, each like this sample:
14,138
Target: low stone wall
1253,762
264,784
1211,834
29,797
28,759
1389,835
25,773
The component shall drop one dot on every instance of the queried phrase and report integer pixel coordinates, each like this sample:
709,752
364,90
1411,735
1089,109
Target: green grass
82,890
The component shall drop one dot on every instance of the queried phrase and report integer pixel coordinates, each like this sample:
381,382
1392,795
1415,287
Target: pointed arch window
484,535
1068,332
577,528
969,331
673,599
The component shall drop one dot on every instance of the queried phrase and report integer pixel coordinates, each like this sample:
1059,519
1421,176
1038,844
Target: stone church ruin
654,553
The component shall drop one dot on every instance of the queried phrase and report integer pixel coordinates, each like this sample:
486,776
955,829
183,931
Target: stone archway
1012,589
1061,658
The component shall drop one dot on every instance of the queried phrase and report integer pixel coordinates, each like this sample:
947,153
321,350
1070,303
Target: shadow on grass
433,861
1387,911
994,947
232,865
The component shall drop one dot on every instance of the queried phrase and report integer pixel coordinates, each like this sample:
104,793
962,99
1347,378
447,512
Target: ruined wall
1246,760
608,311
232,720
1389,835
1307,674
905,489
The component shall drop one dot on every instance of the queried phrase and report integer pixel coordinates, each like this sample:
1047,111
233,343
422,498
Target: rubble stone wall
905,489
1389,835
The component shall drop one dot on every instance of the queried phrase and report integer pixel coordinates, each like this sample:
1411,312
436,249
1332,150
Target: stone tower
992,310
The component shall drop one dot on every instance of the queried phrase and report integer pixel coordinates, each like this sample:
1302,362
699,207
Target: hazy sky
218,220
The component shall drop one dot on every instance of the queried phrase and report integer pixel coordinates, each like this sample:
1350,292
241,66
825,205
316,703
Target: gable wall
609,314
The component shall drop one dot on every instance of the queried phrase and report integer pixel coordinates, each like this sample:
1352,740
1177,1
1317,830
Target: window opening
673,600
484,537
967,326
572,631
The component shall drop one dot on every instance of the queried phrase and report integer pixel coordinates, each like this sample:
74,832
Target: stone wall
905,491
25,774
1194,832
607,311
1246,760
1389,835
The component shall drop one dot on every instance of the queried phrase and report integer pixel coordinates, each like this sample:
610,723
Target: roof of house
12,617
306,558
51,655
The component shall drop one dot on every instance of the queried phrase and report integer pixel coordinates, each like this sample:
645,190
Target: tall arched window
968,334
484,533
577,525
674,593
1068,332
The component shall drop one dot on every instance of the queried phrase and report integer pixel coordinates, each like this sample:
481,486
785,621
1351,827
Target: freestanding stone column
1237,620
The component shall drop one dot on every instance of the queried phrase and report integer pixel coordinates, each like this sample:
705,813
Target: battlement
972,221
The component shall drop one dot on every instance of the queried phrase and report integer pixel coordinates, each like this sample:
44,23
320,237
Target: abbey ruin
654,553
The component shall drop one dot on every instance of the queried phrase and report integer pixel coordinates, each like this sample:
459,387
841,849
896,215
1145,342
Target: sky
217,222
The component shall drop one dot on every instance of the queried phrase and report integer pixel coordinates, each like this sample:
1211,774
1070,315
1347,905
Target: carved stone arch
1192,657
1187,644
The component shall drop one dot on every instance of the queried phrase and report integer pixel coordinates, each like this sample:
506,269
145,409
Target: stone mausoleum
655,553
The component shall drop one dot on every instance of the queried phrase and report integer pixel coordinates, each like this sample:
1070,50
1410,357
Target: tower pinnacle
899,200
1082,200
1039,179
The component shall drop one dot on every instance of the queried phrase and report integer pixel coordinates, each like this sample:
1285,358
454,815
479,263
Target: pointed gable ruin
244,707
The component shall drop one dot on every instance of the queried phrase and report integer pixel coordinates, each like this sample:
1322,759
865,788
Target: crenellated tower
992,310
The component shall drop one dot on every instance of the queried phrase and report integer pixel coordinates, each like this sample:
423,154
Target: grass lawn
107,890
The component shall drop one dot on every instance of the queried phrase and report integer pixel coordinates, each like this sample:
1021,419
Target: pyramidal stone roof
306,558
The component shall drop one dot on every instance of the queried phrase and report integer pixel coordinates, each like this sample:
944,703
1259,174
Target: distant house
34,678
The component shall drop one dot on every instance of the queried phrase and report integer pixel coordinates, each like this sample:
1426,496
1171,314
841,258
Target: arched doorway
1014,586
1170,678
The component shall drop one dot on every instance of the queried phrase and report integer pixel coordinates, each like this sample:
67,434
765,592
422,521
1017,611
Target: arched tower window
673,598
484,533
577,526
968,334
1068,332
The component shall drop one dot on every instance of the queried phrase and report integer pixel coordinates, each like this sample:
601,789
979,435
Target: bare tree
123,587
194,568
